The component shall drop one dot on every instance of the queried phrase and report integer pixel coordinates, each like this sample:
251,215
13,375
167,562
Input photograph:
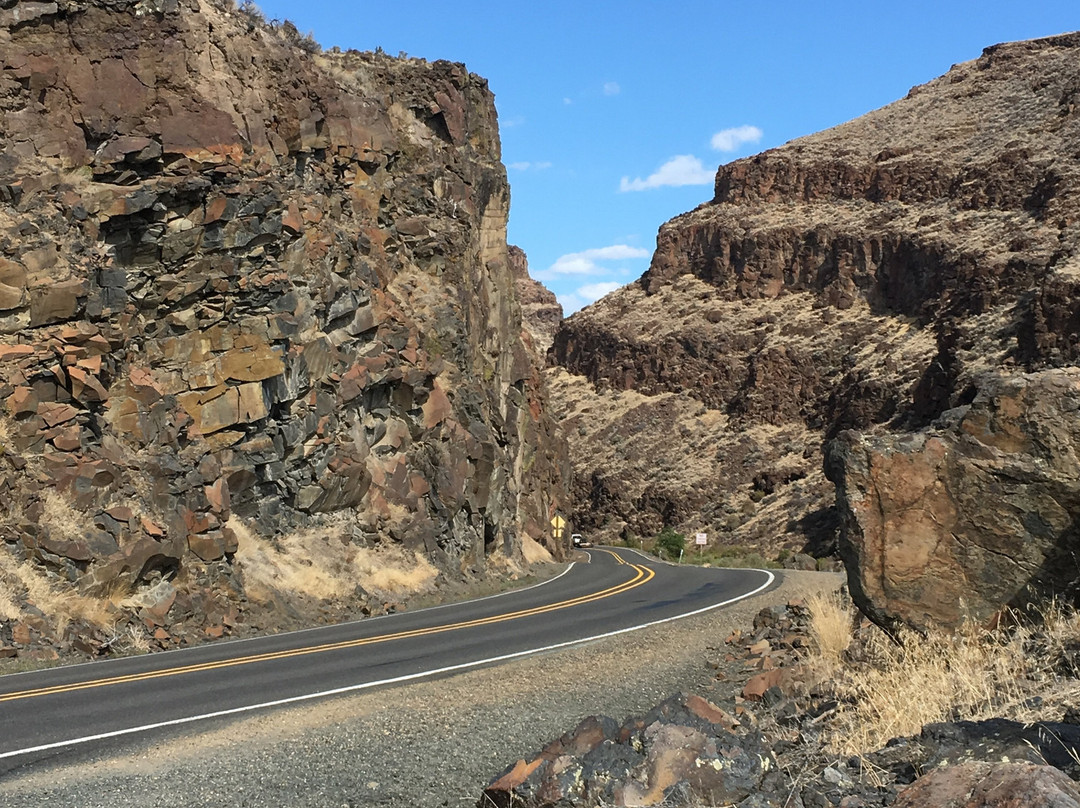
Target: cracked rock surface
241,279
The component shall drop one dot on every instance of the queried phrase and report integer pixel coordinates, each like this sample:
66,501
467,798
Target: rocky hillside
541,311
867,277
250,293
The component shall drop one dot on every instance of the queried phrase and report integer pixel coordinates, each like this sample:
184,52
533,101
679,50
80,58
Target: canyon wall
872,277
246,281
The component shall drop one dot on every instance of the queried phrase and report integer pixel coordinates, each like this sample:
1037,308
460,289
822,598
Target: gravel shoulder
434,743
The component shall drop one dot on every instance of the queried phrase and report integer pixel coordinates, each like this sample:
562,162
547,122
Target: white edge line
328,627
368,685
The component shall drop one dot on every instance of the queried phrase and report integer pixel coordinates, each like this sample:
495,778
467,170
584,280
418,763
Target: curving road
45,712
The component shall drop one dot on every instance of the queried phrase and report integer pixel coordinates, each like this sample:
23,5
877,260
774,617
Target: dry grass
9,609
132,640
6,429
26,581
830,628
61,518
893,689
394,571
318,563
936,678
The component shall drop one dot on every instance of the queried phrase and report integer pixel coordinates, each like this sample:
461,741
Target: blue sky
615,115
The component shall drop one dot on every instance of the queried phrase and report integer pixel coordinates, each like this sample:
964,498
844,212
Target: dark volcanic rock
992,785
979,511
239,279
685,750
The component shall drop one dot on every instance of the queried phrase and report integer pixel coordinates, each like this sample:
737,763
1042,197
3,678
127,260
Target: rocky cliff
541,311
866,277
977,512
248,290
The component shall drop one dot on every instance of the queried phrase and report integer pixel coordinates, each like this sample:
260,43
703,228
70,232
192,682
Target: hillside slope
863,277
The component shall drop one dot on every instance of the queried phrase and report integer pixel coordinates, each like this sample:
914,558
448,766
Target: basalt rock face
862,278
953,522
541,311
240,278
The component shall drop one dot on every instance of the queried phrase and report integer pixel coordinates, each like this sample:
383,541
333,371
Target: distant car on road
579,541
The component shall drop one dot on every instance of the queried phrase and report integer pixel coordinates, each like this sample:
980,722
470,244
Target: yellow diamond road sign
558,522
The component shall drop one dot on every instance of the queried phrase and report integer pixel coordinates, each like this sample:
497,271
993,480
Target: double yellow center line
642,576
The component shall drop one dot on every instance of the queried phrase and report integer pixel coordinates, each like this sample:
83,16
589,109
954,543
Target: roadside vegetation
319,564
668,544
27,590
1027,670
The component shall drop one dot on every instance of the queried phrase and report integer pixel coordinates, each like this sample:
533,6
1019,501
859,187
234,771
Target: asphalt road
45,712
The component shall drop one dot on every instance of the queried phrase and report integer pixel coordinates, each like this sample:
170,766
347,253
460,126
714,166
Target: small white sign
702,539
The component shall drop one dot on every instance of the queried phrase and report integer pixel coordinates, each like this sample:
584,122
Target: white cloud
612,88
683,169
594,291
728,140
616,252
583,296
573,265
526,165
585,262
588,262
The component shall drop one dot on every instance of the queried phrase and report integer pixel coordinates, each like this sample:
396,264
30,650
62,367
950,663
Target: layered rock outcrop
866,277
243,279
541,311
952,522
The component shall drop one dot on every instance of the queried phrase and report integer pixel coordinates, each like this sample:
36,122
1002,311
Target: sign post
701,539
558,524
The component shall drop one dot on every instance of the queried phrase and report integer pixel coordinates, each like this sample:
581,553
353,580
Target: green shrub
669,543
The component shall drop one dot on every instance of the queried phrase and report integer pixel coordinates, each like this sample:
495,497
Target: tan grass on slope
61,518
5,433
9,609
830,628
318,563
893,689
60,603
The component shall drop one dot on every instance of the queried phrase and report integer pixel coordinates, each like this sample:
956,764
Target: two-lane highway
618,591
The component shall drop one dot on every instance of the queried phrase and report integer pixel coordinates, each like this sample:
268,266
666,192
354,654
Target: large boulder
992,785
974,514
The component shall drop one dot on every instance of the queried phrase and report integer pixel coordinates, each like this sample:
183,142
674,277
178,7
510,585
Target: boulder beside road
973,514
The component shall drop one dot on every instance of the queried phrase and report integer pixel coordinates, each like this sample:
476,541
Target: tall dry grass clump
320,563
5,434
893,687
62,519
24,581
9,609
899,688
830,628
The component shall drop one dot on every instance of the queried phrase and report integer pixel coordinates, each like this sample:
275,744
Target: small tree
669,543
